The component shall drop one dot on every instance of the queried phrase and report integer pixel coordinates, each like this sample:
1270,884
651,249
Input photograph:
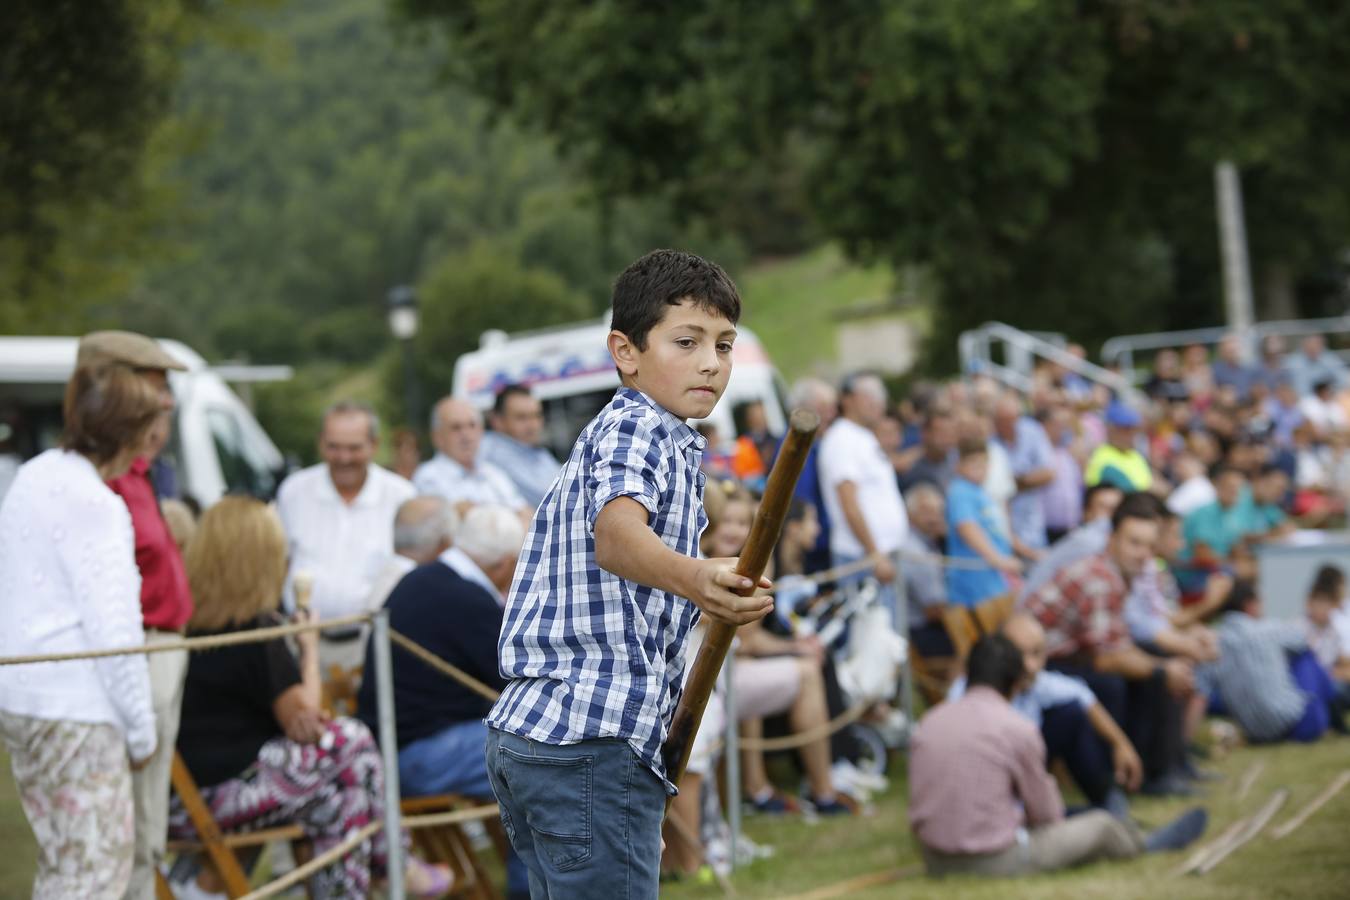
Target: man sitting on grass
981,801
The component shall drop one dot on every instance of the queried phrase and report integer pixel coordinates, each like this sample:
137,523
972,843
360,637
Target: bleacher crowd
1073,572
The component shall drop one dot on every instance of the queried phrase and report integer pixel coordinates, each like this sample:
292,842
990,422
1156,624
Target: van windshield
565,417
243,463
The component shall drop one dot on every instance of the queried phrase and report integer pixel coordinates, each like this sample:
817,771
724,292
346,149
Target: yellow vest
1130,464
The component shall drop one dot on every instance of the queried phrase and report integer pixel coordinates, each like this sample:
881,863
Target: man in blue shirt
1033,465
515,443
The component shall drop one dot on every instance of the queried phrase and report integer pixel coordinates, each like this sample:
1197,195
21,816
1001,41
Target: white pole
1237,278
384,701
733,763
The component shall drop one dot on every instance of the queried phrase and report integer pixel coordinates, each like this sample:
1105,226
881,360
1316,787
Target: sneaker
189,890
773,803
839,805
1168,786
1178,833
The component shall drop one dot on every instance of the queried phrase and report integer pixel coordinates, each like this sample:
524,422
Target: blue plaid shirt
589,654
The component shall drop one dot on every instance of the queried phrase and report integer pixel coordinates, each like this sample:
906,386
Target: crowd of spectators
1121,529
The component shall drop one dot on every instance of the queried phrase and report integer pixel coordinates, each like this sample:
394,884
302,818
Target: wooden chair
222,848
966,625
339,690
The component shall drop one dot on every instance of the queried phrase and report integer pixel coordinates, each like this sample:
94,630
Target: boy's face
687,362
973,467
1319,610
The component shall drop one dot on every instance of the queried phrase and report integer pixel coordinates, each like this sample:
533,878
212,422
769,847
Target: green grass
793,304
1314,862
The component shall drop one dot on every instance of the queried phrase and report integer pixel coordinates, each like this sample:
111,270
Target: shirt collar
679,429
455,467
141,466
463,565
365,497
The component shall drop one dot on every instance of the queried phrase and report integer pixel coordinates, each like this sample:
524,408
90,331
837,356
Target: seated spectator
1283,411
1082,609
772,675
1193,487
1117,461
1214,533
1325,606
1075,727
1099,504
718,459
452,606
1270,490
252,733
981,801
1062,500
1196,373
68,584
1165,384
422,531
975,532
1314,364
1229,369
515,445
1321,410
753,424
1267,678
925,583
456,472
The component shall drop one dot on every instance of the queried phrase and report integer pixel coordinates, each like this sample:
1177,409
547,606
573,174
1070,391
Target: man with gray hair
339,519
925,581
453,607
457,472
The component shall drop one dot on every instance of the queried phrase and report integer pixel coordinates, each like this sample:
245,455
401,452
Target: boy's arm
626,546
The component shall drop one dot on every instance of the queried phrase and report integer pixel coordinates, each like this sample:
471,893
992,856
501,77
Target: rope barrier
251,636
453,817
322,861
802,738
445,668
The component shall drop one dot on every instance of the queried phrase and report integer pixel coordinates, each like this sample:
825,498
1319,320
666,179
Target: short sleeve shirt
967,502
850,452
590,654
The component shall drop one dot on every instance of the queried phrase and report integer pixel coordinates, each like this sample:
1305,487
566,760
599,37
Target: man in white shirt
455,472
858,484
339,520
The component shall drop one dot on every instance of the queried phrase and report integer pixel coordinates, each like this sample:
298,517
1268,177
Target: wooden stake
1253,828
1249,779
1317,803
846,888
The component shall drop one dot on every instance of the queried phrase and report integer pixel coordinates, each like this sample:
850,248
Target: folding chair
221,847
451,845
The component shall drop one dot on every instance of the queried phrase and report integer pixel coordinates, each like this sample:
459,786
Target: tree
1050,160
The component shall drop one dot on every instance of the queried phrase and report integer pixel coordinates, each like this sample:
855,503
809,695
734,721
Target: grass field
793,304
1312,863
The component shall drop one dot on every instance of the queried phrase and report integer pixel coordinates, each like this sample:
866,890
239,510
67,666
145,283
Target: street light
403,322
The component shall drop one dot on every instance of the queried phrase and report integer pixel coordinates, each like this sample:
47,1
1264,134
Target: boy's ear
623,352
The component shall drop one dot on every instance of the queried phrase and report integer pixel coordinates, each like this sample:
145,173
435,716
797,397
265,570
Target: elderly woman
69,583
253,735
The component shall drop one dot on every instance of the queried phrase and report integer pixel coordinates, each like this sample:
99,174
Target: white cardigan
69,582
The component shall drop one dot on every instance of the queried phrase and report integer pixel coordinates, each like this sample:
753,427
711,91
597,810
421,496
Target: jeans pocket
555,794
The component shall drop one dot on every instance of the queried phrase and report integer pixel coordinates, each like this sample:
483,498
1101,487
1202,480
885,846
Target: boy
596,623
975,531
1326,641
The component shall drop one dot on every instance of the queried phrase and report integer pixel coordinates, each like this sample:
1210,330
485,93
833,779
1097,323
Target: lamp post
403,322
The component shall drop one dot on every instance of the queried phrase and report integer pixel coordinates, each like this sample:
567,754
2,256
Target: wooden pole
759,546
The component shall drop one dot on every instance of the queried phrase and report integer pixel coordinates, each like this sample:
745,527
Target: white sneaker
190,890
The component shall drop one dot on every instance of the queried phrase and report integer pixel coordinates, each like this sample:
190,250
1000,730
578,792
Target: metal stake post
733,761
384,697
902,626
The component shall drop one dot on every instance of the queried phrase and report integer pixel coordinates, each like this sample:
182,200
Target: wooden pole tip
803,421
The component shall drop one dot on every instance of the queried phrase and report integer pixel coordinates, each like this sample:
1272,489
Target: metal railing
1120,351
1020,350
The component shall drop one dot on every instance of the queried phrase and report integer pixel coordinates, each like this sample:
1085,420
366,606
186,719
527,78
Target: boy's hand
713,589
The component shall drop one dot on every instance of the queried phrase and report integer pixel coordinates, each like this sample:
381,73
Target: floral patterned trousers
74,781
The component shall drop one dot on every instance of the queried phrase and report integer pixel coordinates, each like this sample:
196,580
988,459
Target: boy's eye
724,346
685,342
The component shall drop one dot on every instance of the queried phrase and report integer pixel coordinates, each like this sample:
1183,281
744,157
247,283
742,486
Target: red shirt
166,599
1082,609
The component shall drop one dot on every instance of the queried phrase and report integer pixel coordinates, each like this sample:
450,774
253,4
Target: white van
568,368
217,446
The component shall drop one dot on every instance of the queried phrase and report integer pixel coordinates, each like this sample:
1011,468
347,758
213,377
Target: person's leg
74,783
150,785
511,812
843,743
684,849
1109,689
1153,724
1313,681
586,817
1082,839
1069,736
808,712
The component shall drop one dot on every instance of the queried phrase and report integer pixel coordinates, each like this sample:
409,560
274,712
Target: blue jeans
585,818
452,761
1314,681
1069,736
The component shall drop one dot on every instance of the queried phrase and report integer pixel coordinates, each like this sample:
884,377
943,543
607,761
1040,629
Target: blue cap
1119,415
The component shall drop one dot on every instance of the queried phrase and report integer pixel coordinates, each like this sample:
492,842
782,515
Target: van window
565,417
243,464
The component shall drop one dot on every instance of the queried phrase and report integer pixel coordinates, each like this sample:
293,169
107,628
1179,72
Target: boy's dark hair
1328,582
995,662
1243,592
506,393
665,278
971,446
1138,505
1093,490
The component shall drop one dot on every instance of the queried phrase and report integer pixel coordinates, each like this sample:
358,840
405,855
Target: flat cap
126,347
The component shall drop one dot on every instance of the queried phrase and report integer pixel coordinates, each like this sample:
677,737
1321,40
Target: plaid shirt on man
592,655
1082,608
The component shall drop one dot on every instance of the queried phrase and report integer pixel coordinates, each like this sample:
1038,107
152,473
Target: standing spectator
1283,410
1229,369
68,583
925,584
1033,467
1165,385
1117,461
1083,612
1193,487
938,458
1195,371
859,486
453,604
1271,370
975,533
981,801
515,443
1061,501
1314,364
753,423
339,519
1322,411
1267,677
455,472
166,601
822,399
